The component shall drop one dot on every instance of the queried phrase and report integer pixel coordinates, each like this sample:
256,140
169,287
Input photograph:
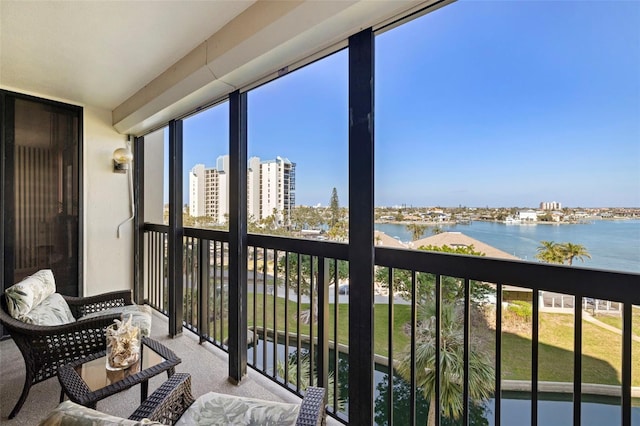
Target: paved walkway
588,317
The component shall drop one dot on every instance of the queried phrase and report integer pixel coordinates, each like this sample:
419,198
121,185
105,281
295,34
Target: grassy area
601,348
616,320
402,315
601,358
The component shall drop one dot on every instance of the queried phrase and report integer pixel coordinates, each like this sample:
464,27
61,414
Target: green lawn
402,316
601,358
601,348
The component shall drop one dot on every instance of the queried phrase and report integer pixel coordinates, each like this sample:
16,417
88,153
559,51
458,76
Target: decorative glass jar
123,345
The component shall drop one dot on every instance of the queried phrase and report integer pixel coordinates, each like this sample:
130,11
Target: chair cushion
69,413
220,409
53,310
28,293
141,316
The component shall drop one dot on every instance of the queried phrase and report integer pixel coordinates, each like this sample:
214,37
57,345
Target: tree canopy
302,269
561,253
417,230
334,208
452,288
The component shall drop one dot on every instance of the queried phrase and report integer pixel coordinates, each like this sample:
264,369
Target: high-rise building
253,189
196,190
207,192
270,189
550,205
277,188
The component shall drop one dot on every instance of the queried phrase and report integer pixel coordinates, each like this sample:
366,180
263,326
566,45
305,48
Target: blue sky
480,103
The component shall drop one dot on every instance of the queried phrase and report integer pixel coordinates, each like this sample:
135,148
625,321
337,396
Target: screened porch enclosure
247,294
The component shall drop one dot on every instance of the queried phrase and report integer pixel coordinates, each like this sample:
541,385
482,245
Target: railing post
238,236
497,396
577,361
176,231
203,289
138,221
361,247
627,357
438,384
535,337
324,278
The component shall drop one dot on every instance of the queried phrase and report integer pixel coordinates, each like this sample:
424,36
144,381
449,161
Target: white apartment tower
253,189
270,187
277,189
196,191
222,198
206,187
550,205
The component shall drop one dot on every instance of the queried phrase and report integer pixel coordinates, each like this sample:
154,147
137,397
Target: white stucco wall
108,260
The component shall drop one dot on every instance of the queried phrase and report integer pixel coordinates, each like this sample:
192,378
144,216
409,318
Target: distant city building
277,189
270,188
253,189
208,193
550,205
527,216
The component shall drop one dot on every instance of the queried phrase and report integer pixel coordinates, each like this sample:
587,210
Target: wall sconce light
122,158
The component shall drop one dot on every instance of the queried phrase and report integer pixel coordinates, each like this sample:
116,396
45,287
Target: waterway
612,244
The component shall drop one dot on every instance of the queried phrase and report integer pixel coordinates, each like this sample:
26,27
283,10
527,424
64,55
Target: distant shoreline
586,221
611,243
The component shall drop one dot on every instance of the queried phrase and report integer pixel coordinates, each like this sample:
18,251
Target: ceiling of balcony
101,52
149,61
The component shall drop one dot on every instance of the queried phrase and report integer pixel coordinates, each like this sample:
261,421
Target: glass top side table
87,380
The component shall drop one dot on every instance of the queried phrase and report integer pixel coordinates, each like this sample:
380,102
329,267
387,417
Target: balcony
247,295
307,271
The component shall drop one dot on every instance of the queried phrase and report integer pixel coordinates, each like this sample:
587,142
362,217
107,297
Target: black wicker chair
45,348
170,400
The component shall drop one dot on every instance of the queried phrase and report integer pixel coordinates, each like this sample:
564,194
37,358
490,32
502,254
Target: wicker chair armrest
312,411
168,402
81,306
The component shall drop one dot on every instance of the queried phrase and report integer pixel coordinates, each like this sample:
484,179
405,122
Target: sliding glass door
40,172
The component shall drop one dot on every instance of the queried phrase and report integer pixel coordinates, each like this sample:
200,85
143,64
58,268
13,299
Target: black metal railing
475,271
296,331
298,325
155,267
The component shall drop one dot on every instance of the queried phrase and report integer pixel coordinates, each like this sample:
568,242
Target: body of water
612,244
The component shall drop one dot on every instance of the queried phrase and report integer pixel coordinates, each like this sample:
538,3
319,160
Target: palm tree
572,251
292,367
417,230
550,252
481,373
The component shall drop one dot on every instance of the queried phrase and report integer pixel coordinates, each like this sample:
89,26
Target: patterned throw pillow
70,413
220,409
141,316
28,293
53,310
